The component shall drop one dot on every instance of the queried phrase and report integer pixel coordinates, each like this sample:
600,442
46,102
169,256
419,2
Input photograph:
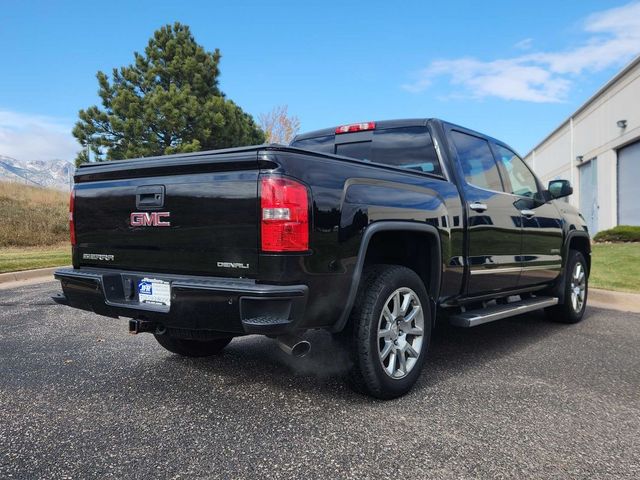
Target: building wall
592,133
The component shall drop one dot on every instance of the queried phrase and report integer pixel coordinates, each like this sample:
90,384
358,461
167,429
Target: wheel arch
581,242
430,273
575,240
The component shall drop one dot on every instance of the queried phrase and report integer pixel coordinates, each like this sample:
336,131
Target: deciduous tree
278,125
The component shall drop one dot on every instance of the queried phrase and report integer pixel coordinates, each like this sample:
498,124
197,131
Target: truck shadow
454,351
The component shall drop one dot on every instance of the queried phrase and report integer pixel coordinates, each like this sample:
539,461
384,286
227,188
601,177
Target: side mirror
560,188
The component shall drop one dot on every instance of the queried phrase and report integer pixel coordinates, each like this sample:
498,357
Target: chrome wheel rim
400,332
578,287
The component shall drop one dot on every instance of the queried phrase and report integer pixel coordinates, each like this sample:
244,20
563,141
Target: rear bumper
208,305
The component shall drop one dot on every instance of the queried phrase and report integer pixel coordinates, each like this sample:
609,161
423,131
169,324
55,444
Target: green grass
616,266
14,259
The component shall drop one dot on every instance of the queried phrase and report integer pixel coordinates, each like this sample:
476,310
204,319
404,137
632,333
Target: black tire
193,348
568,311
369,371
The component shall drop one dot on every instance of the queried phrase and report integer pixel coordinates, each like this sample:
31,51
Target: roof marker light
356,127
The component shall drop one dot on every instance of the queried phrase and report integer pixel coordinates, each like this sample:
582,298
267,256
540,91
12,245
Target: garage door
628,184
589,194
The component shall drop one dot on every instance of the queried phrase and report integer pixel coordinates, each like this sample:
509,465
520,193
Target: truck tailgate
196,215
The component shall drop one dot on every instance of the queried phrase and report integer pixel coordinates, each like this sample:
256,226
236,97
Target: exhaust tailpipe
294,345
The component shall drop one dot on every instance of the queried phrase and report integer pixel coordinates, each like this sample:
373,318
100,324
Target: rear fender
399,226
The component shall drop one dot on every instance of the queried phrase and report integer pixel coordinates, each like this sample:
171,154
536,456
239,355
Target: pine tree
167,101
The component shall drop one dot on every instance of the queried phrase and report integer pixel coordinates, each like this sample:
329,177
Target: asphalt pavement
519,398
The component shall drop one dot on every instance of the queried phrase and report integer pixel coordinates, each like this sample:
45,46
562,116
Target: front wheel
575,293
193,348
390,328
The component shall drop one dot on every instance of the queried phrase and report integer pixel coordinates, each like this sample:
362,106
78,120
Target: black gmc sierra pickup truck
375,231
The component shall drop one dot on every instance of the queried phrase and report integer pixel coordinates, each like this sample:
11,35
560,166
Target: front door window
519,179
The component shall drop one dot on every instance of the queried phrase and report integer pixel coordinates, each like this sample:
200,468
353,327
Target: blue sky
513,70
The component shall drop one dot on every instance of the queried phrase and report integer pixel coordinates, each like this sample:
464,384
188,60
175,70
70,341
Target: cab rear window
403,147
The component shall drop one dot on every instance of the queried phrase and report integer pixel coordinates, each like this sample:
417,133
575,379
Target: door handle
528,213
478,207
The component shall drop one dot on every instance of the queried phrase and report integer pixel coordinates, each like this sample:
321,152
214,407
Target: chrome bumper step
472,318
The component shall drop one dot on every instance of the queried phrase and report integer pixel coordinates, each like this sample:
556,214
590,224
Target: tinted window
406,147
316,144
361,150
403,147
521,180
477,162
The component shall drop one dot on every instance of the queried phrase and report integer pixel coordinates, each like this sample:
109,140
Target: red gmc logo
149,219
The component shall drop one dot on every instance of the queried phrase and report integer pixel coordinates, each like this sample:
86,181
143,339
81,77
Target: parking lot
81,398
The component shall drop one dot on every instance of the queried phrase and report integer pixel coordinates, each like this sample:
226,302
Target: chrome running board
471,318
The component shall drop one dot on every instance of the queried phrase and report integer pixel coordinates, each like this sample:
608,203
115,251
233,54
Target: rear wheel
193,348
390,330
575,293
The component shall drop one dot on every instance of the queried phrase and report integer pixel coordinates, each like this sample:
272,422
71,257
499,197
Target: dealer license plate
152,290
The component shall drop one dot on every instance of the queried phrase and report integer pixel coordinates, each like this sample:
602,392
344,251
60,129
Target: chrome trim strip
553,266
443,166
484,271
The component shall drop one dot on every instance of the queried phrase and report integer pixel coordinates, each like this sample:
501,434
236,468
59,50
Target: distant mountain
44,173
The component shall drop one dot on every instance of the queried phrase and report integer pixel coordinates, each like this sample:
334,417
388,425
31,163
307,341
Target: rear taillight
72,223
284,206
356,127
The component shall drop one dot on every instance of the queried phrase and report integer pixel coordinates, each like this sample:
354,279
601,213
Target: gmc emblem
149,219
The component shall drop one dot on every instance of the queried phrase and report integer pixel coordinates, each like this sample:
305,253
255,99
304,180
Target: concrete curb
621,301
31,276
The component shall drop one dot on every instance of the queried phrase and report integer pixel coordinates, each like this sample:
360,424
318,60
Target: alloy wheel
578,287
400,332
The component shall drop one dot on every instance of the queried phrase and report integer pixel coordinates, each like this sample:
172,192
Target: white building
598,149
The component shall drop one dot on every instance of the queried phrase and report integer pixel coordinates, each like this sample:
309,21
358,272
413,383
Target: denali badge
232,265
149,219
97,256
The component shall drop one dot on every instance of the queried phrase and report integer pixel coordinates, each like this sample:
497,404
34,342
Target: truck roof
406,122
403,122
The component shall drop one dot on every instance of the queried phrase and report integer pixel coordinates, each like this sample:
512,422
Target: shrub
621,233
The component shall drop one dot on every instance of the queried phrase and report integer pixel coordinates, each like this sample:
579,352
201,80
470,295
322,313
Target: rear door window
406,147
476,160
